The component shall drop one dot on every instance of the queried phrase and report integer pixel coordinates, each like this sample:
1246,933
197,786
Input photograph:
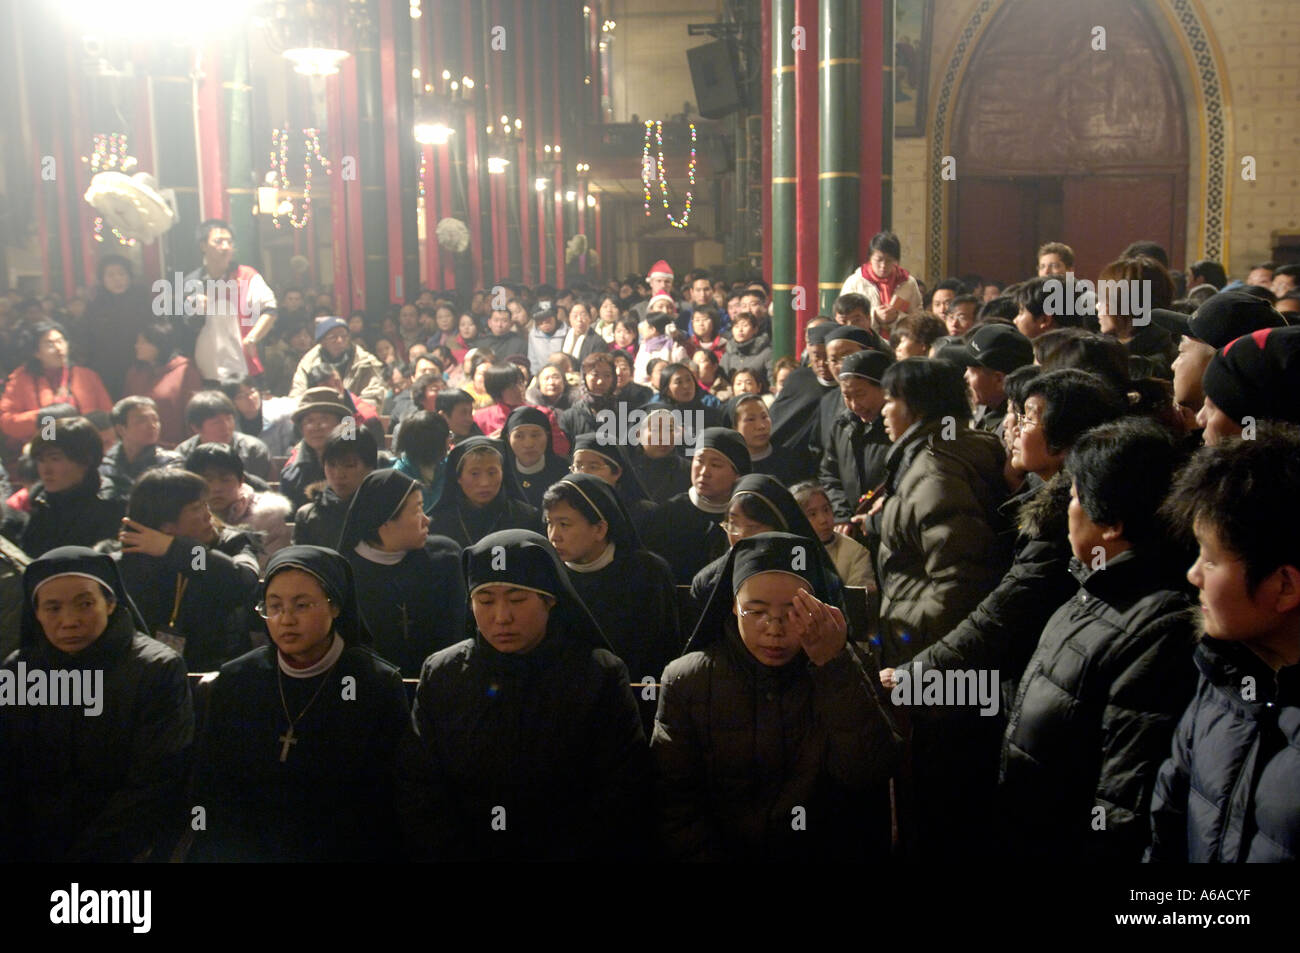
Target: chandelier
308,33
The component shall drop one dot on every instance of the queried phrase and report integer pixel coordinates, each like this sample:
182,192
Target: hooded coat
459,520
740,748
1227,793
535,756
93,789
362,373
328,796
1095,713
939,546
416,606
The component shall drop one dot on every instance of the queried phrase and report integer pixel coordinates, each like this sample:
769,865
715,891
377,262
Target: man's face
317,426
300,340
116,279
742,329
1218,425
73,612
1051,266
598,379
701,292
408,319
142,428
218,429
1189,368
755,304
660,283
942,298
218,248
1263,277
857,319
499,322
960,318
460,419
985,385
862,397
712,475
733,308
344,474
293,300
1228,609
57,471
837,351
1283,284
1030,326
818,361
248,401
194,521
336,342
223,490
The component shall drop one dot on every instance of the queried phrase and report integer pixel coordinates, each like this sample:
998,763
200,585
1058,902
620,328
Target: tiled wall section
1257,42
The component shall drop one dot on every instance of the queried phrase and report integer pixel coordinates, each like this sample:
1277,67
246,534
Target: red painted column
765,58
472,171
80,134
870,161
397,278
212,146
431,59
521,161
557,136
806,167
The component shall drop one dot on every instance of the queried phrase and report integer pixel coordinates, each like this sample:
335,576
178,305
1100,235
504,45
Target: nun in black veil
99,779
409,585
295,761
610,461
770,742
627,587
481,495
525,741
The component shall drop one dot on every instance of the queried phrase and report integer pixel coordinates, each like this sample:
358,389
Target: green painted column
784,146
839,83
370,164
237,93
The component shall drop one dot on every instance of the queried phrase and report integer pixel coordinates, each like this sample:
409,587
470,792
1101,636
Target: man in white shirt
236,314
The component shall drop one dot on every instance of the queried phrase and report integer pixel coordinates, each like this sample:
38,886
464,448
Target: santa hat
660,268
662,296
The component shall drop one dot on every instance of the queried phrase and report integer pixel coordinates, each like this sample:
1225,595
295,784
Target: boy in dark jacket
349,454
1230,790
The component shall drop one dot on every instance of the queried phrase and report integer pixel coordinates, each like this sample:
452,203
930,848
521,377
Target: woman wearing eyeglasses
770,742
296,760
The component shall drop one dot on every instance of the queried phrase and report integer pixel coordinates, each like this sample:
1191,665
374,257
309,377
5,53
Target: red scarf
885,288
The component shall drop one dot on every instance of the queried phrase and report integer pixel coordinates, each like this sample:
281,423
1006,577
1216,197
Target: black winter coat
1228,792
320,522
852,442
104,788
1095,713
740,747
81,516
685,536
524,757
216,607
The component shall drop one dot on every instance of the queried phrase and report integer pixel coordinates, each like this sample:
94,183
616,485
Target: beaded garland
652,167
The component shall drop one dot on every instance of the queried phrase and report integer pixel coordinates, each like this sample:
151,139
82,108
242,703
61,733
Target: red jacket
25,395
171,388
492,418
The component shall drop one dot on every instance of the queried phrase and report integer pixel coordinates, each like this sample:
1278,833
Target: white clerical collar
376,555
324,664
537,467
826,383
702,504
761,454
600,562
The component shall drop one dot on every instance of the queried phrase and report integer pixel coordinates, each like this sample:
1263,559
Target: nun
770,742
687,529
525,741
760,504
627,587
295,762
481,496
96,776
409,585
747,414
610,462
536,465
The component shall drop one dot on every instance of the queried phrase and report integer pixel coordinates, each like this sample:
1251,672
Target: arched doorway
1054,139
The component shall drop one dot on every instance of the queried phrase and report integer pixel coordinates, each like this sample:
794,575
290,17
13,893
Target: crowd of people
975,575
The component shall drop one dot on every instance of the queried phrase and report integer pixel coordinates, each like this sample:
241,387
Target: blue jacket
1230,790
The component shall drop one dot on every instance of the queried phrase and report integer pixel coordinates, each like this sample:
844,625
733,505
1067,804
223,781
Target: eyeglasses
1025,422
762,619
588,467
298,608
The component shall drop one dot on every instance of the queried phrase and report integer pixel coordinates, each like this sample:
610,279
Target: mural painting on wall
911,65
